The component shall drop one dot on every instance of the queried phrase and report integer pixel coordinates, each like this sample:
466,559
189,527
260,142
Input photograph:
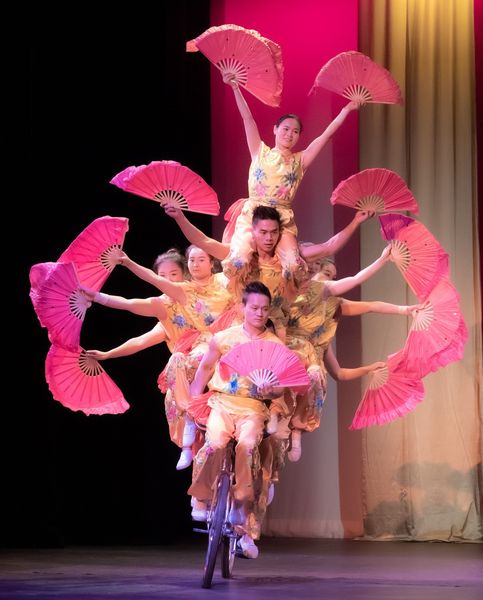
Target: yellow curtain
422,476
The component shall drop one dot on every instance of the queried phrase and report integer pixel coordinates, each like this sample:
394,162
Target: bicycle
220,531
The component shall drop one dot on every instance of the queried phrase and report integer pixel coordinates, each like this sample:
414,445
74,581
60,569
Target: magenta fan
78,381
92,250
438,332
253,61
391,393
416,253
169,183
356,77
266,363
375,190
58,302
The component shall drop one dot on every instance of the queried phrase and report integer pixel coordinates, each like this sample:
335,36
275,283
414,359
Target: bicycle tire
215,530
228,556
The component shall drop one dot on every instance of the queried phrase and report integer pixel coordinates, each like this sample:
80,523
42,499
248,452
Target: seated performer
237,410
274,177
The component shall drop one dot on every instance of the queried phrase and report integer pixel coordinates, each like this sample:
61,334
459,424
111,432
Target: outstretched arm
350,308
196,236
336,242
155,336
146,307
316,145
336,288
205,369
251,129
342,374
170,288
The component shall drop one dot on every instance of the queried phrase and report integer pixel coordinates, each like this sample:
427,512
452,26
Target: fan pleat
171,183
378,190
70,383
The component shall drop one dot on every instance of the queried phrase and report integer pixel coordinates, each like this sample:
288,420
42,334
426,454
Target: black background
106,93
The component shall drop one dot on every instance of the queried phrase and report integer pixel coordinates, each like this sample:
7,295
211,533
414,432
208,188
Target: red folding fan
438,332
266,363
391,393
356,77
169,183
253,61
417,254
92,250
78,381
375,190
58,302
392,223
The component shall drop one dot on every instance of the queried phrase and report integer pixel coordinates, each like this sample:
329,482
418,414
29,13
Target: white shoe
272,424
199,512
271,493
185,459
189,432
295,451
247,547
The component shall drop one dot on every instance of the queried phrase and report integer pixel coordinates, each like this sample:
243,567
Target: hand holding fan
78,381
169,183
58,302
92,250
266,363
391,393
252,61
358,78
416,253
375,190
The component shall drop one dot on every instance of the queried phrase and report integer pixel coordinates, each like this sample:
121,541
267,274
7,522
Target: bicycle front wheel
215,530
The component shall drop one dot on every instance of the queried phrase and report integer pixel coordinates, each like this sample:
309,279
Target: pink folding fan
358,78
78,381
416,253
169,183
391,393
58,302
375,190
266,363
92,250
253,61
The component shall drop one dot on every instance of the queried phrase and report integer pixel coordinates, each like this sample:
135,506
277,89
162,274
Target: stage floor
286,568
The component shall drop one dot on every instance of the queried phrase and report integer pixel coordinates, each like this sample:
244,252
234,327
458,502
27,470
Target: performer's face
199,264
256,310
287,133
328,271
170,270
266,234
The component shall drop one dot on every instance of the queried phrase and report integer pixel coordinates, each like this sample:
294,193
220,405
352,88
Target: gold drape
422,474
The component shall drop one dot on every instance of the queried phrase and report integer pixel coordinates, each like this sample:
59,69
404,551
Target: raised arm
350,308
316,145
205,369
155,336
146,307
343,374
336,242
172,289
251,129
336,288
196,236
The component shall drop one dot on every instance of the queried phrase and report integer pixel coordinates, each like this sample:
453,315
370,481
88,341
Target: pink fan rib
378,190
80,383
91,251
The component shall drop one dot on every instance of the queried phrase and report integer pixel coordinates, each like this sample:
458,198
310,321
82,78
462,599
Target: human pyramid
268,317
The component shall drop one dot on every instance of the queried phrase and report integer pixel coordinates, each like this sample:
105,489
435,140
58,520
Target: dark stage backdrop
106,93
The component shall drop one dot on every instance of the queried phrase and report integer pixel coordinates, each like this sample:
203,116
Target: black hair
290,116
262,213
171,255
256,287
